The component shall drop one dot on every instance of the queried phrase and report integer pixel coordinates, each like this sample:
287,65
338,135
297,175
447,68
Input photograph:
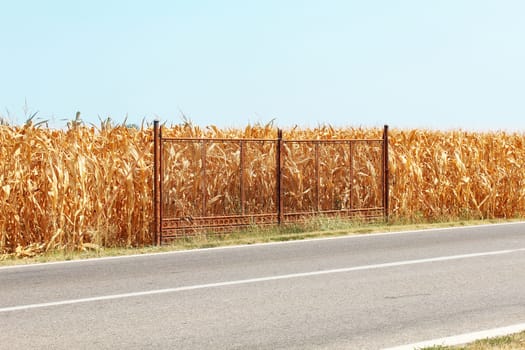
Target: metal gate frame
166,227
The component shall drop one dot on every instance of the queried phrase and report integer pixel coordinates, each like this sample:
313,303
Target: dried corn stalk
69,188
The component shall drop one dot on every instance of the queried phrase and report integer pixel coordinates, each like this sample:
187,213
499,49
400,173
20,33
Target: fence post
351,171
317,179
156,182
203,181
161,186
241,171
278,169
386,187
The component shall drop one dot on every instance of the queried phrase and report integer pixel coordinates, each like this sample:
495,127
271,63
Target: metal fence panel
217,185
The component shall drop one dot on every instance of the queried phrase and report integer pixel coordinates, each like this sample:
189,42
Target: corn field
82,186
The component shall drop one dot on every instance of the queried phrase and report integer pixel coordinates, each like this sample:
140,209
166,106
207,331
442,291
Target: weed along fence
216,184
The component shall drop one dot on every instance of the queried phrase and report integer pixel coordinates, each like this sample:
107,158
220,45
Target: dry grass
510,342
86,187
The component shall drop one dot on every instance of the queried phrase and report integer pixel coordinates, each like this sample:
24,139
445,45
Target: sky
440,64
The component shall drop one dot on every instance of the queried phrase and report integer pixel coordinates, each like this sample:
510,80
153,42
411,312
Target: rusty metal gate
215,185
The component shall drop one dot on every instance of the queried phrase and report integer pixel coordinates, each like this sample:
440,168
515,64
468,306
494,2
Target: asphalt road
361,292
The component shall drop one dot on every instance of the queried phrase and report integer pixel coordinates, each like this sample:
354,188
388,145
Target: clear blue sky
407,63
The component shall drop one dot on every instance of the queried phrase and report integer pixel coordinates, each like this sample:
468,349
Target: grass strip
316,228
509,342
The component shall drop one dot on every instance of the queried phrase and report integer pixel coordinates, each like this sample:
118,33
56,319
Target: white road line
257,280
463,338
250,246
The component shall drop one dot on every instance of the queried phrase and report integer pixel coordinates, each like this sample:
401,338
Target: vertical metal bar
162,167
156,176
241,170
351,168
317,177
203,178
386,187
278,171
